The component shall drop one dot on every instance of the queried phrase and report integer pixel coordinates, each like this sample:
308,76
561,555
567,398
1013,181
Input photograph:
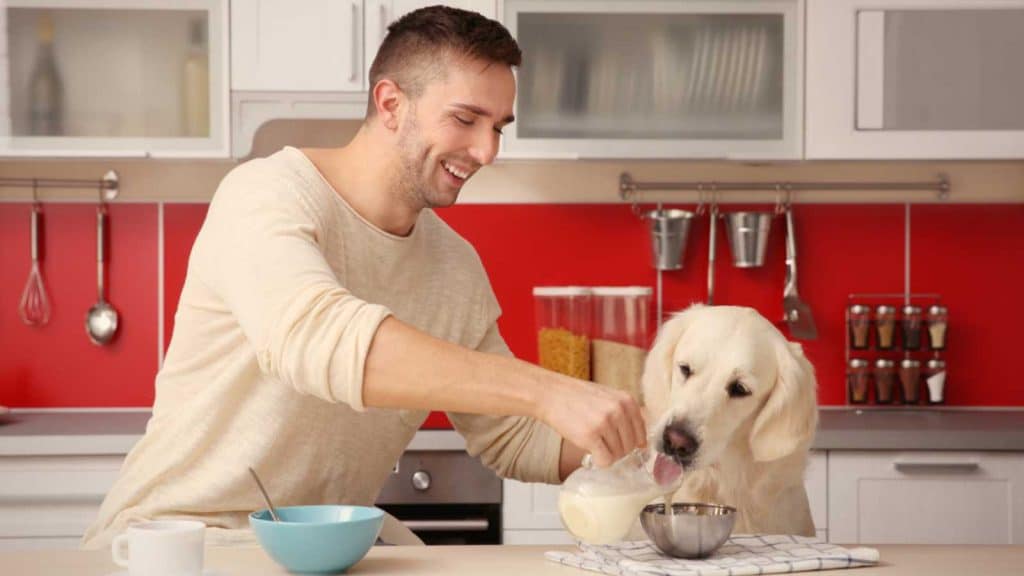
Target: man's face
453,129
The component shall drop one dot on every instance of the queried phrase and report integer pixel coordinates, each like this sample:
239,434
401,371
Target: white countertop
510,561
115,431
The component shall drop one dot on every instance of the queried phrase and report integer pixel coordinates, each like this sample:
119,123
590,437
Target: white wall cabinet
657,79
926,79
114,78
49,501
926,497
308,46
381,13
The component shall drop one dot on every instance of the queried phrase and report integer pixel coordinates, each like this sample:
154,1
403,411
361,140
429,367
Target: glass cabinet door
656,79
915,79
114,78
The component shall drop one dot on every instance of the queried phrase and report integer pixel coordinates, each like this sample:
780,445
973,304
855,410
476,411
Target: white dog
733,403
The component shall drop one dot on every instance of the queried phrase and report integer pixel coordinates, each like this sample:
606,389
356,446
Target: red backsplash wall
971,254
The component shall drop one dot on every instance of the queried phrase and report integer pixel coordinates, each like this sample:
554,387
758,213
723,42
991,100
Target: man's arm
406,368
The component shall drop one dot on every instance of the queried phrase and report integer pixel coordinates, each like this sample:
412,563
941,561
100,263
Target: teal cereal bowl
317,539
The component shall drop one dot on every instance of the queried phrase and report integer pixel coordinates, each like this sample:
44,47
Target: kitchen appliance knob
421,480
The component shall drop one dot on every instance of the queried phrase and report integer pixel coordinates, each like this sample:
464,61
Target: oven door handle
467,525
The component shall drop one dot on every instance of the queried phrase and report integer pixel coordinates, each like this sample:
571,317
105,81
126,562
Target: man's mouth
459,173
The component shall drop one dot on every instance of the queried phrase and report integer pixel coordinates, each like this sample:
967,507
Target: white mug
161,548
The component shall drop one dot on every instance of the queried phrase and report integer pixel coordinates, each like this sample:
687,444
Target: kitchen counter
511,560
57,432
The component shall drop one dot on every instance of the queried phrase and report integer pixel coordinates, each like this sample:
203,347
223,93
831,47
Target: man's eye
464,121
737,390
685,370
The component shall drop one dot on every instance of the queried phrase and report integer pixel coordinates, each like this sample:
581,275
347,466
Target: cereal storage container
622,334
563,318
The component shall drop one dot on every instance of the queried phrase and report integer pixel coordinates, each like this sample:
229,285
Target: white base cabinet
49,501
530,511
926,497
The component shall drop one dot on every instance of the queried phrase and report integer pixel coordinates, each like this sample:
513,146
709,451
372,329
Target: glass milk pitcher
600,505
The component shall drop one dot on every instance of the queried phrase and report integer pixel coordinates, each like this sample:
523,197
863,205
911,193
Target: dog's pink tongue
666,470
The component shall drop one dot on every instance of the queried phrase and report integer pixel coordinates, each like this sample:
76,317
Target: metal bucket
669,230
748,237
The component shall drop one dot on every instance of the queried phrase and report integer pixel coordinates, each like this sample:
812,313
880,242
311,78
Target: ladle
101,320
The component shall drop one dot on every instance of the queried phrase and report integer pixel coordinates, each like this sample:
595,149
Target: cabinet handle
355,44
911,466
470,525
383,22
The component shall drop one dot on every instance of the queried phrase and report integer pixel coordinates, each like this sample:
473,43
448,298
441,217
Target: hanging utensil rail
109,185
629,187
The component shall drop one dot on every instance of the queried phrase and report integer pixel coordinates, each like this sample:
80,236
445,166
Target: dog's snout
679,442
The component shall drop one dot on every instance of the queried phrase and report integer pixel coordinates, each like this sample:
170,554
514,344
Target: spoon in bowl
266,498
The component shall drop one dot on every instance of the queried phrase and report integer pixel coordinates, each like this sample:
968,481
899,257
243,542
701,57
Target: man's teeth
455,171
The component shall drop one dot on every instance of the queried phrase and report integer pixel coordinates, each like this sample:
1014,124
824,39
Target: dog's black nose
679,442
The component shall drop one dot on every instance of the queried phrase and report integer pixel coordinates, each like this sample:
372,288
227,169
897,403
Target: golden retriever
733,404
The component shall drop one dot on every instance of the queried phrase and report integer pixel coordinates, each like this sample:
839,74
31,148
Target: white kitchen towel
739,556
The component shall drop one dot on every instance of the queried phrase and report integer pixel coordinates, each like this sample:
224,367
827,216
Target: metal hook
700,199
780,207
103,201
35,193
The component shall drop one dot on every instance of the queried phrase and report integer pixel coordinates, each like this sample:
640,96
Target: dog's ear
788,419
658,366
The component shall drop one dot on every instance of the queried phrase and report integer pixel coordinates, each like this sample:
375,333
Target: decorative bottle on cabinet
196,84
46,93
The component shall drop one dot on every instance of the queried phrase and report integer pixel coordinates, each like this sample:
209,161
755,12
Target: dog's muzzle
679,443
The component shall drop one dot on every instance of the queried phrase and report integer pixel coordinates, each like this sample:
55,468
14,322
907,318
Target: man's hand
605,422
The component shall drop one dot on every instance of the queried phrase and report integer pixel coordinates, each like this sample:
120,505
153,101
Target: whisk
35,306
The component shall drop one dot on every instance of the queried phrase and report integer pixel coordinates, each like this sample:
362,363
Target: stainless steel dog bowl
691,530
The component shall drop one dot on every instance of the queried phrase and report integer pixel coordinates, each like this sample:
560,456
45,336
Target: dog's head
723,374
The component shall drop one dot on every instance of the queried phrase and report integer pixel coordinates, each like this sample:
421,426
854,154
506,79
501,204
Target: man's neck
364,179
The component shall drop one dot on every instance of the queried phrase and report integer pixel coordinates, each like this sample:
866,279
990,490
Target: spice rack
895,347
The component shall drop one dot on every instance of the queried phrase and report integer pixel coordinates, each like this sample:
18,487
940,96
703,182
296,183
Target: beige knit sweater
286,285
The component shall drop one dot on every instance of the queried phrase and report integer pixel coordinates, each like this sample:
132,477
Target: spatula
795,311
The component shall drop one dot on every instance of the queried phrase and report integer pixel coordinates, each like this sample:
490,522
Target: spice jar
911,325
885,327
621,336
937,323
563,317
857,377
910,380
859,326
885,381
935,380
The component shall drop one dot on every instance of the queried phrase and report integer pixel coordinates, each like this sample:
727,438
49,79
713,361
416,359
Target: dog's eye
737,390
684,369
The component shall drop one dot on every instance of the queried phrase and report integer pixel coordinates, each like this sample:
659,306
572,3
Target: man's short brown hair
419,46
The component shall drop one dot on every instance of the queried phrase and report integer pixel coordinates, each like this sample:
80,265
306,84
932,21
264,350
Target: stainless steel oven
445,497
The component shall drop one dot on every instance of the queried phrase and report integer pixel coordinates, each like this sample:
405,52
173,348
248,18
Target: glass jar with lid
885,381
937,324
621,336
885,327
911,327
935,381
859,326
858,378
564,323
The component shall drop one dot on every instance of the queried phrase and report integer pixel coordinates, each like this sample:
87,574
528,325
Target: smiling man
327,309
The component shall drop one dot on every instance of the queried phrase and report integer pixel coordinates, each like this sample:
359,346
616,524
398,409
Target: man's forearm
406,368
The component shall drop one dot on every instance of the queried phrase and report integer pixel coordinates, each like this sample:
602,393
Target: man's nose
484,149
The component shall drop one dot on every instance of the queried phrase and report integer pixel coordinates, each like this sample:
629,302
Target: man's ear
387,99
788,419
659,366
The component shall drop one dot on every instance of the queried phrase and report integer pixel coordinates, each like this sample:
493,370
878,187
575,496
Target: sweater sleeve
514,446
258,251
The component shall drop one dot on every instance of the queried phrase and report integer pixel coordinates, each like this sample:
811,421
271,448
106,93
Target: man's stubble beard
409,181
